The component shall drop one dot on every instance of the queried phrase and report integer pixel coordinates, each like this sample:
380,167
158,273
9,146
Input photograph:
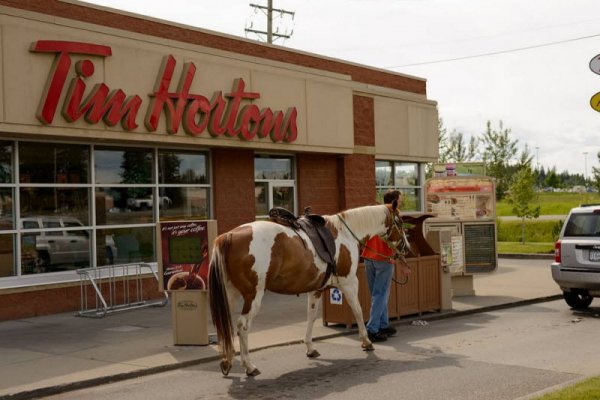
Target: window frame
273,183
419,187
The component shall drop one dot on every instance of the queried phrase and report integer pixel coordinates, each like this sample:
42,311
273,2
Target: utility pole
268,10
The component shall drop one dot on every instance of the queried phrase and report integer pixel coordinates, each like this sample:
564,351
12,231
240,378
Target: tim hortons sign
229,115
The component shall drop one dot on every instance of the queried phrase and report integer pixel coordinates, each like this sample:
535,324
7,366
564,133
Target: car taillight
557,251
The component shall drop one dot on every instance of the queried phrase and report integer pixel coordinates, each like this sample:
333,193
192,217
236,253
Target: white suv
576,266
58,246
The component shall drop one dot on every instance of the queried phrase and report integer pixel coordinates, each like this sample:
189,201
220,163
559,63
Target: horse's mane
365,219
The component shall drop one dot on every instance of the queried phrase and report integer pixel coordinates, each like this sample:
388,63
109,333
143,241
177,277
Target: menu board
184,255
461,198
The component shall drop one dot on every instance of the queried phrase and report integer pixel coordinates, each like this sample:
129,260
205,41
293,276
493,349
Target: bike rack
117,288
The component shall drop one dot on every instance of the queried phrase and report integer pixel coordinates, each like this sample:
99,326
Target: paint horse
264,255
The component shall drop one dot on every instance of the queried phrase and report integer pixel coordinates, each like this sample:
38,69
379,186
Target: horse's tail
219,304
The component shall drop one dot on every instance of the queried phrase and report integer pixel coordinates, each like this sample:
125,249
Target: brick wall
357,171
37,301
246,47
233,185
364,120
318,183
358,180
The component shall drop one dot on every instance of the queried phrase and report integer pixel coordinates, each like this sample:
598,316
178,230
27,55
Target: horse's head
395,235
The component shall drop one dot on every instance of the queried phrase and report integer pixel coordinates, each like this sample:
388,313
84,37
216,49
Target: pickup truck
146,203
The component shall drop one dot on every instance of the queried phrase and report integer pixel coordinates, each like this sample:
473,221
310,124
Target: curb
88,383
528,256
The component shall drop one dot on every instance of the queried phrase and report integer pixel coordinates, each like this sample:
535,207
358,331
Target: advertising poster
184,251
461,198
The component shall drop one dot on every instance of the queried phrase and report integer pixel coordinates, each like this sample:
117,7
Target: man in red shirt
380,266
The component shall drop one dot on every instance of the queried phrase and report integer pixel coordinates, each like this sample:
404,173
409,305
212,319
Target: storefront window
177,167
41,201
184,203
6,208
183,189
6,169
405,177
122,205
53,163
124,245
274,184
71,215
7,255
55,249
131,166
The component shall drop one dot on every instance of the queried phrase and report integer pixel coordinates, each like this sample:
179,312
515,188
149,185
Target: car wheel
578,300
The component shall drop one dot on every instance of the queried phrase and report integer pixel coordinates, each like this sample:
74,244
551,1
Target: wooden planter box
420,293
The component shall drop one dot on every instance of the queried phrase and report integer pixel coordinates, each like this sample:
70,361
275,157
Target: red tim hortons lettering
112,107
174,104
223,115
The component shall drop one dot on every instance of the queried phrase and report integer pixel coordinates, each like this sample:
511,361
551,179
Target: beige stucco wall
405,129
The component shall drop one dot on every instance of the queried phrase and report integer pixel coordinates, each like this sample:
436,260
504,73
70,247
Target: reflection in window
55,190
183,203
176,167
272,167
274,184
6,208
124,205
283,197
405,177
6,162
53,163
123,166
261,197
71,202
7,255
56,250
383,173
406,174
121,246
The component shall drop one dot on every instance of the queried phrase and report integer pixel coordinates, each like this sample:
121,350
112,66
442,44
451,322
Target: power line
495,52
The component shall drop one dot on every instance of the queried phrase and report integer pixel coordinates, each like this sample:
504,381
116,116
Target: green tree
521,194
498,150
442,142
552,179
596,174
458,150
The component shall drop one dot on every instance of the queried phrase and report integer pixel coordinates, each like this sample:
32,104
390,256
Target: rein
402,242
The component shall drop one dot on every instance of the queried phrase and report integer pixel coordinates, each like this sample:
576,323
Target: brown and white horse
263,255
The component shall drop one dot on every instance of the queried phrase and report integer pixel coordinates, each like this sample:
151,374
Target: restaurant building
112,121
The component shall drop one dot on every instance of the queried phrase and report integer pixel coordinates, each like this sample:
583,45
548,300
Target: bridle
399,247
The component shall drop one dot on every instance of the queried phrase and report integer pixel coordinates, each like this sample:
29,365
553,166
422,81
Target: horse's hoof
254,372
313,354
225,367
368,347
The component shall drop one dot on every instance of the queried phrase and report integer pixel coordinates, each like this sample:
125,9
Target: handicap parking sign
335,296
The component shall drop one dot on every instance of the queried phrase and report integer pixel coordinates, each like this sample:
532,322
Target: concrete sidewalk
46,355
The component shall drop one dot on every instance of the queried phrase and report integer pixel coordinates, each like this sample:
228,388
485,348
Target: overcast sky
525,63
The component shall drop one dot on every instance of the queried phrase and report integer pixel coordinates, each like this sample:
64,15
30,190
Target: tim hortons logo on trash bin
222,115
187,305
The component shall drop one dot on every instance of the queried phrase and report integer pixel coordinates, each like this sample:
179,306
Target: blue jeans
379,277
